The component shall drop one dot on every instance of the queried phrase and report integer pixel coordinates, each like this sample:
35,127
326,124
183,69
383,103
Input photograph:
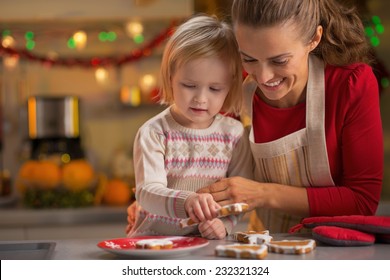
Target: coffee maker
54,127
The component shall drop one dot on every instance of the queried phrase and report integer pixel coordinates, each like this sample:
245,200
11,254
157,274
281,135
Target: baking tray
27,251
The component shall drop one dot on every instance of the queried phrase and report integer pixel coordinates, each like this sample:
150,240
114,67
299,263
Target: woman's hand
289,199
234,190
201,207
131,215
214,229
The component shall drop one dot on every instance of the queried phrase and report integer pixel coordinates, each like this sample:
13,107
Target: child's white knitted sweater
172,161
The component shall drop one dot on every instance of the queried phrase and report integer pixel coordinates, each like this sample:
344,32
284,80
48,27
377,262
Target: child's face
199,91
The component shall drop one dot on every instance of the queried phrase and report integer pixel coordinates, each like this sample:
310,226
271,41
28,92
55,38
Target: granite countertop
87,249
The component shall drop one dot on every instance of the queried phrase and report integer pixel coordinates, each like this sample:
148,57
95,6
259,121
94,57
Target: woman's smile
274,84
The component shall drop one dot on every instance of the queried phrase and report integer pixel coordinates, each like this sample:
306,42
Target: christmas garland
93,62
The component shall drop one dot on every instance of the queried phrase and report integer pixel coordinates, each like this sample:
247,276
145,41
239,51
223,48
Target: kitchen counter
87,249
20,216
58,217
101,222
73,223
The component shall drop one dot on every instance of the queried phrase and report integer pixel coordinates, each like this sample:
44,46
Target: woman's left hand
290,199
234,190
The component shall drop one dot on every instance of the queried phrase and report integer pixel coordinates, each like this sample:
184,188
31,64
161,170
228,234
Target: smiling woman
306,139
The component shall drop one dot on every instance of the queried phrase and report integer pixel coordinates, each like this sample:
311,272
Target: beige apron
298,159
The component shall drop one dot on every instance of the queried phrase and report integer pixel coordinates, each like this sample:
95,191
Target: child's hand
131,216
201,207
214,229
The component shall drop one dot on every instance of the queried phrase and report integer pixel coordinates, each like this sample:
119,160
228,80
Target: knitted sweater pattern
172,162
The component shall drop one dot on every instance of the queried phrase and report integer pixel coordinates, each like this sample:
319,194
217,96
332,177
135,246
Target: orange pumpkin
47,175
38,174
117,192
78,175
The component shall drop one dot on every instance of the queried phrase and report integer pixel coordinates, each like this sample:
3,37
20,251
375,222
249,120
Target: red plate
126,246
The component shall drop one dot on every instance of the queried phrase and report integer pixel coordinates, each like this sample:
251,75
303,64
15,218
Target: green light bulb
379,28
385,82
71,43
139,39
375,41
30,45
29,35
111,36
6,32
376,20
369,31
102,36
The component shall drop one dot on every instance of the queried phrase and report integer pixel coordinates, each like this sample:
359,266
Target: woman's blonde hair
343,40
203,36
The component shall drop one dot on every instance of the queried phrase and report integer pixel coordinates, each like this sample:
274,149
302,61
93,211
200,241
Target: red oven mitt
354,230
370,224
338,236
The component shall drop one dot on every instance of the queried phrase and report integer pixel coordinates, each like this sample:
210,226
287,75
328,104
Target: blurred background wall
113,107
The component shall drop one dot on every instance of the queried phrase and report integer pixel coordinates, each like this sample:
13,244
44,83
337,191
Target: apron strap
315,122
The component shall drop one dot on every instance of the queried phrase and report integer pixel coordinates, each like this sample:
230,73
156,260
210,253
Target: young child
190,144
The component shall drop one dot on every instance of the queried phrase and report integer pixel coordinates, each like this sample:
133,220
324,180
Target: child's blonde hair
203,36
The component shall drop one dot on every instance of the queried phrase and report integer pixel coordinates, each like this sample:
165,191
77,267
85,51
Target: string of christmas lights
92,62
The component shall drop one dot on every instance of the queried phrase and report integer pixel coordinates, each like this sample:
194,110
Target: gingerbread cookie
292,246
154,244
252,237
230,209
187,222
242,251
